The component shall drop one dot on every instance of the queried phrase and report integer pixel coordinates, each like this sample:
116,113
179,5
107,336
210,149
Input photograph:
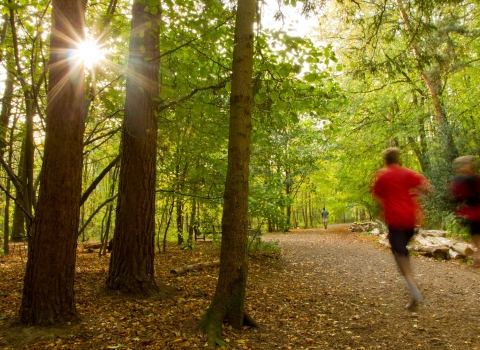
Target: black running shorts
399,239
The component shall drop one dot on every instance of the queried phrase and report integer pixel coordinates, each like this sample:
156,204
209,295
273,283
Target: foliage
456,226
325,106
257,246
407,73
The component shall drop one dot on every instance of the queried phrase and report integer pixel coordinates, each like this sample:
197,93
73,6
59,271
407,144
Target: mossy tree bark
131,264
48,296
228,301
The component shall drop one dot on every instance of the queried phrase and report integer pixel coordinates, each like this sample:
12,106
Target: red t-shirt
393,187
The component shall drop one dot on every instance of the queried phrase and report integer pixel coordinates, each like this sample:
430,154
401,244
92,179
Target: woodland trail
330,289
358,294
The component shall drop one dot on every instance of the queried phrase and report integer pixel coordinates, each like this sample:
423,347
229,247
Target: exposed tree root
213,329
249,321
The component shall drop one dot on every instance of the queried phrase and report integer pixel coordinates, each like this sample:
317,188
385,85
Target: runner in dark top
464,188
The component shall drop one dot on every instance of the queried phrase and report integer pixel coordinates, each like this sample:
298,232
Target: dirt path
351,295
329,290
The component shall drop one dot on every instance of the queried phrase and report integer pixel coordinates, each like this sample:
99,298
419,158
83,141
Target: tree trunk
180,177
6,106
131,263
228,301
310,209
288,191
106,234
30,108
82,207
6,223
48,295
168,225
191,226
18,226
305,210
4,120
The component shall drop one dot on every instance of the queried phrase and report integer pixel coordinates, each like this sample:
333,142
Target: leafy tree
229,298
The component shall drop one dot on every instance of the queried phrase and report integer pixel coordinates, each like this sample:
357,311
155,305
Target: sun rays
90,52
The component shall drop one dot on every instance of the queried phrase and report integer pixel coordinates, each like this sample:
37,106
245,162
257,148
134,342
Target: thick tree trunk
131,263
48,295
228,301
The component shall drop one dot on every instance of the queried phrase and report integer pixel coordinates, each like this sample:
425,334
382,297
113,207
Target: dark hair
391,155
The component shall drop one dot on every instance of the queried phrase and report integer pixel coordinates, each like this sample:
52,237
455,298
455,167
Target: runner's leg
475,232
398,241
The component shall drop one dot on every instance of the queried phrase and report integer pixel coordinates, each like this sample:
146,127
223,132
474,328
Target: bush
255,244
270,248
456,227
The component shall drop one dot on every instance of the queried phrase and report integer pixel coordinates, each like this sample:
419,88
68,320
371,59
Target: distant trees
408,75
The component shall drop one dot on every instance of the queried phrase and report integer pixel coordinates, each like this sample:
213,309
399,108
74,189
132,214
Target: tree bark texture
48,296
131,264
228,301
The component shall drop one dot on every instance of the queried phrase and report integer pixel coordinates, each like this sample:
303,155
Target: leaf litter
330,289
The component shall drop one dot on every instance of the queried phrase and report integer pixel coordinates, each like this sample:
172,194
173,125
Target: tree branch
193,93
30,217
98,179
95,213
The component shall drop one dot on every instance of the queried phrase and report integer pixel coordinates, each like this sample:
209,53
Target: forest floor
329,289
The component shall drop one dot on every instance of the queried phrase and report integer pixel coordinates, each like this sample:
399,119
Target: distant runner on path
325,217
395,188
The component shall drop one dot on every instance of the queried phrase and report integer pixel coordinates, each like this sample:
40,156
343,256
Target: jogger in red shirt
395,188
